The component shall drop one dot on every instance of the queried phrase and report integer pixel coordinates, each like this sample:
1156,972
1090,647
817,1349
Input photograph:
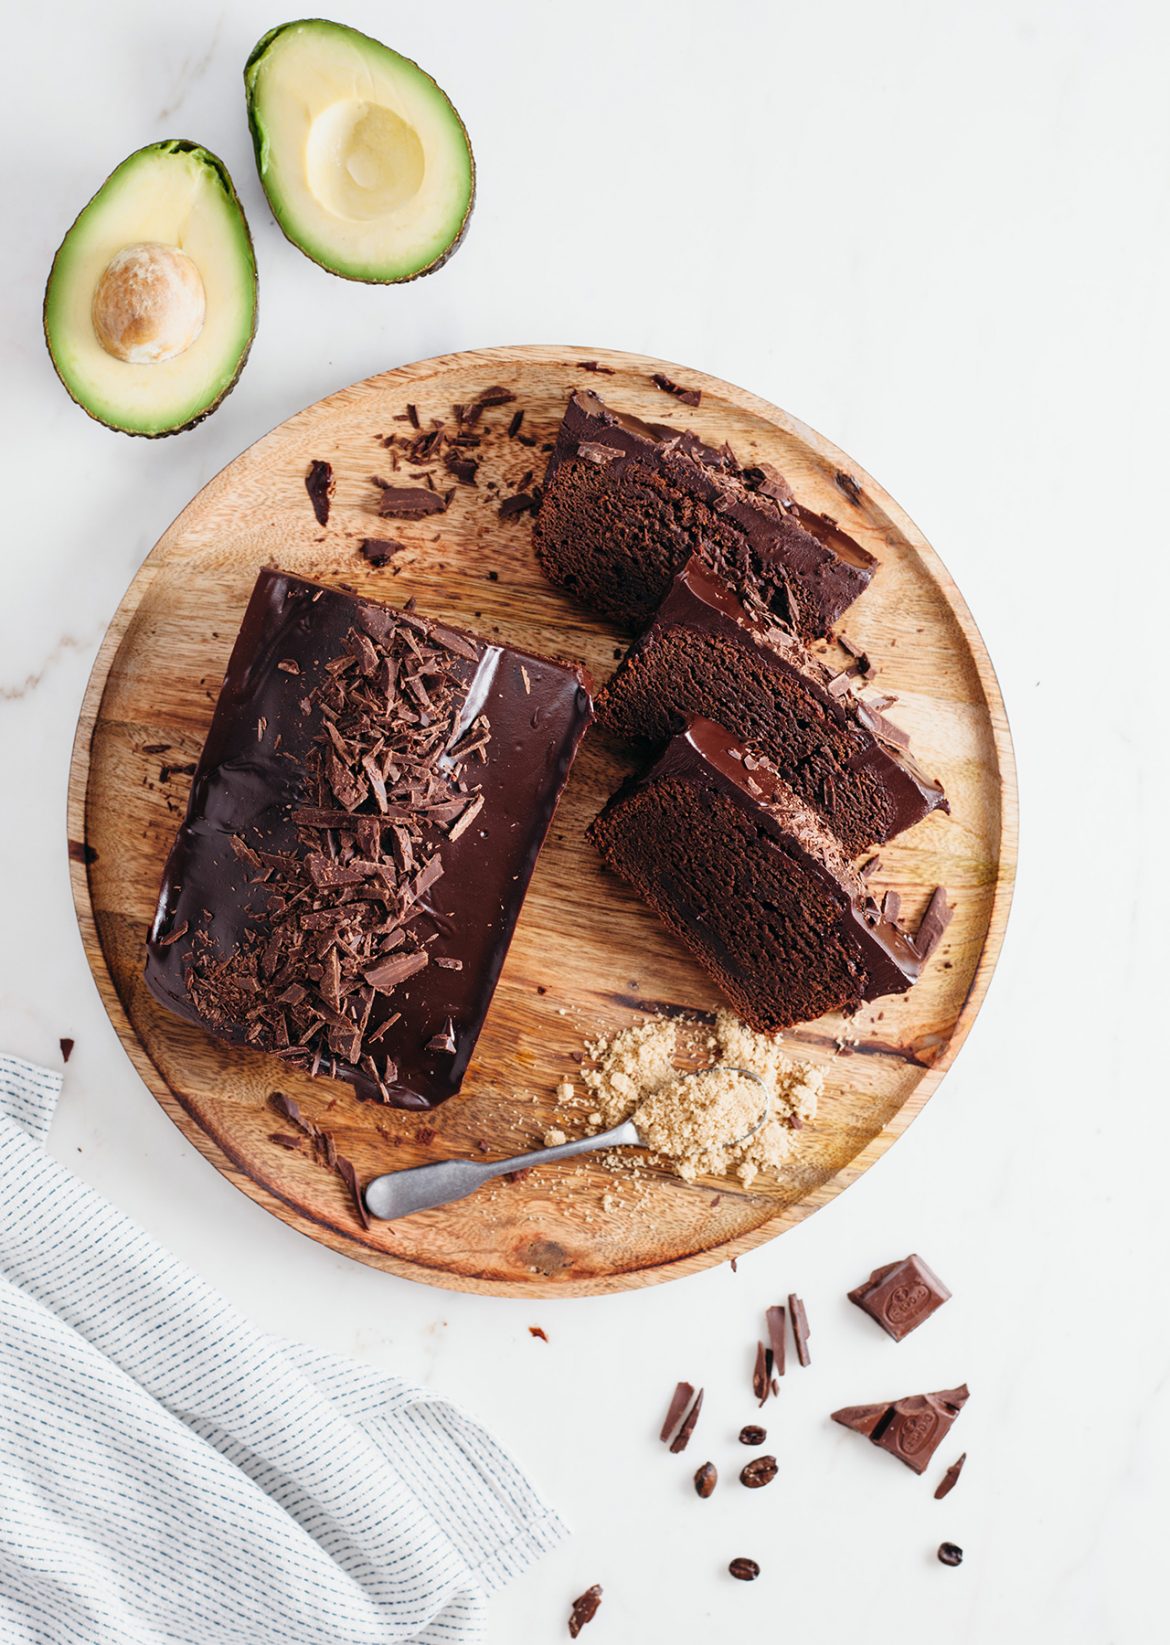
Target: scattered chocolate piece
949,1553
319,485
347,1171
761,1375
155,748
82,851
950,1479
584,1609
379,551
751,1435
744,1570
706,1479
409,502
799,1328
464,469
524,502
282,1139
683,1438
538,1331
775,1321
688,396
759,1471
166,772
679,1400
179,932
847,484
902,1295
514,425
484,402
912,1428
445,1039
66,1049
596,366
412,415
933,923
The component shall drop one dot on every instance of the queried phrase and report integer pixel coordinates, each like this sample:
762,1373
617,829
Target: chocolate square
901,1296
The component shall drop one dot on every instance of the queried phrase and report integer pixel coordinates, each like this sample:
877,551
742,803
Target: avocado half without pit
150,308
366,164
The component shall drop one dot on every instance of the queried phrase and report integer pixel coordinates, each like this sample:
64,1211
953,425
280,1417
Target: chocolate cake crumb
319,485
688,396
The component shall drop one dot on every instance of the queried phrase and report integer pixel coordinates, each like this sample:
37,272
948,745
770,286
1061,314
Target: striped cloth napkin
171,1476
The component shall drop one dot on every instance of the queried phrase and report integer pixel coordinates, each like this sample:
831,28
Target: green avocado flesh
175,202
365,162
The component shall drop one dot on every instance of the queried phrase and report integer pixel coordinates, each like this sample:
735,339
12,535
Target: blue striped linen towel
169,1475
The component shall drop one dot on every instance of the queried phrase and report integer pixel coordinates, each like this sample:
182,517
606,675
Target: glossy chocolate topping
251,780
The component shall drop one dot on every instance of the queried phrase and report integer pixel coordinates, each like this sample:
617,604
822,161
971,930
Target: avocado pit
149,303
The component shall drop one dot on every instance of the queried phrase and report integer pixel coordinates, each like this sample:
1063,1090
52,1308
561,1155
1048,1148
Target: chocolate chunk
799,1328
912,1428
594,365
901,1296
759,1471
706,1479
584,1609
319,485
751,1435
409,502
949,1553
744,1570
761,1375
524,502
688,396
445,1039
679,1400
846,483
537,1330
950,1479
933,923
775,1321
66,1049
379,551
464,469
683,1438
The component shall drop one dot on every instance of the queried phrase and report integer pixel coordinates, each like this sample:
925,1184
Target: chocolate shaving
409,502
891,906
683,1438
538,1331
679,1400
688,396
514,425
483,402
319,485
174,936
761,1382
933,923
283,1140
596,366
346,1170
379,551
950,1479
524,502
847,484
775,1321
799,1320
464,469
584,1609
444,1040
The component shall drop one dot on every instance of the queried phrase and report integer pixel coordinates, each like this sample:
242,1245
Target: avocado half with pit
150,306
366,164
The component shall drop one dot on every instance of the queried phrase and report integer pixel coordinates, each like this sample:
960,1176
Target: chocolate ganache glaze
361,829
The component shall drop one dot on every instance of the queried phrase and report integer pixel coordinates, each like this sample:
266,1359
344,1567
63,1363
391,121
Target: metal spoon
422,1187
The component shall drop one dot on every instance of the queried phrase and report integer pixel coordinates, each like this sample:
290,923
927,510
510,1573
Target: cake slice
626,503
362,826
706,653
748,877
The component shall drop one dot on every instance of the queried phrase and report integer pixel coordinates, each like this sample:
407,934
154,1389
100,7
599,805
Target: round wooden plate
587,956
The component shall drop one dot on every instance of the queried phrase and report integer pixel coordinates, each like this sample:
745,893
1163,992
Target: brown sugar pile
698,1123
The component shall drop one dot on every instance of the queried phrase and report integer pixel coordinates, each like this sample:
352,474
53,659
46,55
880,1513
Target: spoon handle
422,1187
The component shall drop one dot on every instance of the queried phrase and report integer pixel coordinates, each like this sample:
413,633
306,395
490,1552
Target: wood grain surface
587,956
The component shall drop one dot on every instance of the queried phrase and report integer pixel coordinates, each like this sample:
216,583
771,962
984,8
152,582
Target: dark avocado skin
174,145
254,57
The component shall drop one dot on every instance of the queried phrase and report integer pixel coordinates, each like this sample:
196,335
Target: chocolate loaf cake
626,504
360,834
706,653
751,881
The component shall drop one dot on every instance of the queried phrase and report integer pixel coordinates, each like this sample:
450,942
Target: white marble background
938,233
